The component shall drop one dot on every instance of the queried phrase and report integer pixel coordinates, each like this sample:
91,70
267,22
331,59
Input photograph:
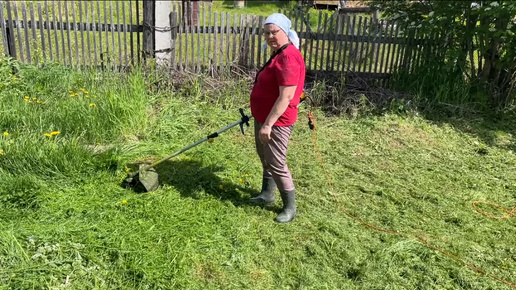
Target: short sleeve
288,70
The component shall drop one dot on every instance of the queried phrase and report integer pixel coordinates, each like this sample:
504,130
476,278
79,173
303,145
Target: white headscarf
285,24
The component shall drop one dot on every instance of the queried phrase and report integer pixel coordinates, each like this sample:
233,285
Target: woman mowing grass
274,99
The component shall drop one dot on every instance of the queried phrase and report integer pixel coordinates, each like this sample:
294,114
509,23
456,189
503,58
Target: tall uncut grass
66,222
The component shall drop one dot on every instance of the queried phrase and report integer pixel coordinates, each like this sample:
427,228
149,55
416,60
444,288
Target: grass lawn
66,222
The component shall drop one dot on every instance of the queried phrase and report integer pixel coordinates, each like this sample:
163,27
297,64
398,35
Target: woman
274,99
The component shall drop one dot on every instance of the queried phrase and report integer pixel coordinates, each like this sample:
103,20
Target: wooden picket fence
110,34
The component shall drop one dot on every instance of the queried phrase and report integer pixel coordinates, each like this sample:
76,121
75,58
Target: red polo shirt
286,69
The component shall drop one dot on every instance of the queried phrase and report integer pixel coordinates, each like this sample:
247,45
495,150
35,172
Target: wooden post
149,21
174,26
162,35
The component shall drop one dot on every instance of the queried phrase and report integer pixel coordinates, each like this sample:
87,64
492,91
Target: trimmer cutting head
142,181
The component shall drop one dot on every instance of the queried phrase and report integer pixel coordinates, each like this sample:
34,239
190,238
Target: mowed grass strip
65,220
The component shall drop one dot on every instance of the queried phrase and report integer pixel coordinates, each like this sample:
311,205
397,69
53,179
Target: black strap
270,60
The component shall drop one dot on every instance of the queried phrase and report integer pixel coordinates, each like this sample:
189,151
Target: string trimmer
146,178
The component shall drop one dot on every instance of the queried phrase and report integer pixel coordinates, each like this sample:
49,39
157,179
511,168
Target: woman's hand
265,133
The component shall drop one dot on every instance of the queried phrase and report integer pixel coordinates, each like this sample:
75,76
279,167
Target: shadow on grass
192,179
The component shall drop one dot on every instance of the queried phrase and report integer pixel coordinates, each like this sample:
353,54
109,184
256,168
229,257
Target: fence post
174,27
149,20
162,35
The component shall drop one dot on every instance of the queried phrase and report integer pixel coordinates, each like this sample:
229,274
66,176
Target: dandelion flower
6,133
26,97
127,169
39,102
47,134
124,201
34,98
54,133
2,152
241,180
92,105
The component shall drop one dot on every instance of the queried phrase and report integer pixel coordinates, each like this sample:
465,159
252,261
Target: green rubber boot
267,195
289,207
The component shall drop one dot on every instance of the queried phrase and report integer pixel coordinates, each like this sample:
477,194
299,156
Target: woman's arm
286,94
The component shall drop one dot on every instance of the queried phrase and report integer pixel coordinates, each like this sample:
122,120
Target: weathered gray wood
112,32
204,26
234,53
101,51
383,32
364,47
253,41
215,43
81,28
355,52
68,33
199,57
105,56
61,30
138,54
41,30
191,26
174,31
389,28
317,43
124,23
342,60
351,28
93,38
221,47
395,51
328,43
210,51
261,51
26,31
49,37
18,31
336,44
180,39
75,28
119,35
3,29
378,44
228,39
33,22
186,33
11,42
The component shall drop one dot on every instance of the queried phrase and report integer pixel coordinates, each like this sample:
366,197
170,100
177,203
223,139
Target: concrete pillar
162,33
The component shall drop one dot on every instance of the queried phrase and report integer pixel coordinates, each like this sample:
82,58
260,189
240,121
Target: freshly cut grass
66,222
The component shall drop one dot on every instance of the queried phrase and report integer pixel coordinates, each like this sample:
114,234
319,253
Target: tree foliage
477,39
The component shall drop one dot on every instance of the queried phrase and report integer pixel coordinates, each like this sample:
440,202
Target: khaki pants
273,155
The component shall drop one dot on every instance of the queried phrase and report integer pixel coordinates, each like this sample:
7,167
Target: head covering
285,24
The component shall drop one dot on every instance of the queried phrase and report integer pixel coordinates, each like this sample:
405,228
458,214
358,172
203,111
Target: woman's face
274,36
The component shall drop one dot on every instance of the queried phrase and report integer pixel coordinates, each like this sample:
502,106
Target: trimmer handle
244,120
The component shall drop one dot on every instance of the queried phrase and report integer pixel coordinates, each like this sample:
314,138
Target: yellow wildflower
47,134
2,152
26,97
39,102
34,98
6,133
84,91
241,180
124,201
54,133
92,105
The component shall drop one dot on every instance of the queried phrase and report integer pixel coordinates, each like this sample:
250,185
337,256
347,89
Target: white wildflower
494,4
